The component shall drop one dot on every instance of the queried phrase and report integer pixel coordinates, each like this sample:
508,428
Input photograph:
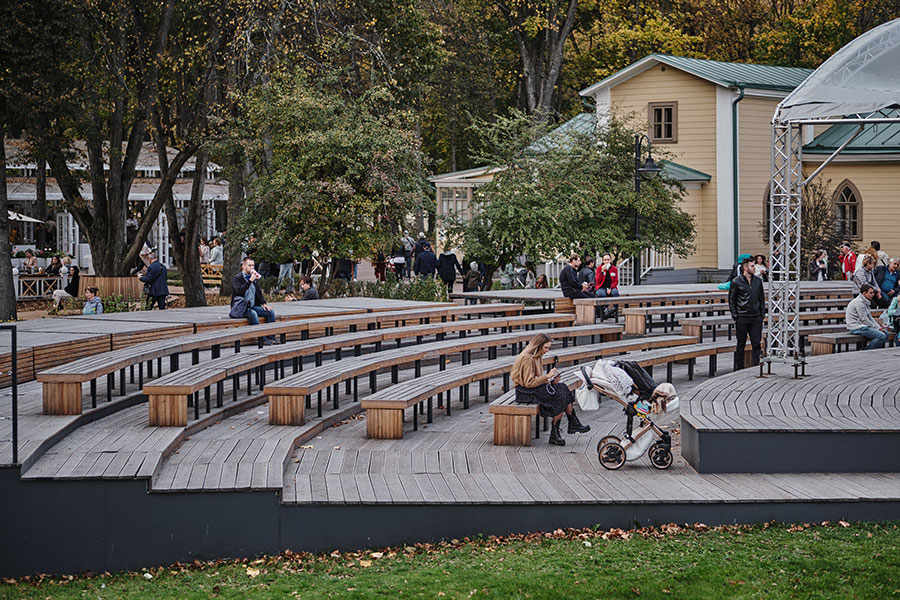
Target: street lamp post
649,169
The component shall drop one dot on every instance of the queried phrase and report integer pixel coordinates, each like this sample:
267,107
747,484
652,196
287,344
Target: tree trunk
231,262
7,291
189,267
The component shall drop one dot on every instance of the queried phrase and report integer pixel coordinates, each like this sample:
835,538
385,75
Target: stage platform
843,417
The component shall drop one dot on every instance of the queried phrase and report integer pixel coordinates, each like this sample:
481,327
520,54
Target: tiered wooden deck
324,484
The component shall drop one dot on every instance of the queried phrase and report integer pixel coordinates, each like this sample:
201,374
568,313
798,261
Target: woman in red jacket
606,280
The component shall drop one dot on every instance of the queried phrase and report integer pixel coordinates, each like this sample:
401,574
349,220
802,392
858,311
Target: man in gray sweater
860,321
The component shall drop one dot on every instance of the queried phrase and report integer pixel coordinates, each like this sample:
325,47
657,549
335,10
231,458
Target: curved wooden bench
62,384
300,387
385,408
830,343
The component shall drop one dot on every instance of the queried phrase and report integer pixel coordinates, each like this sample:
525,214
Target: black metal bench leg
235,386
195,357
141,375
395,371
216,351
319,404
418,368
308,401
430,409
110,379
440,400
537,427
220,391
505,382
196,405
443,362
131,374
355,389
159,366
149,369
249,383
94,393
669,372
373,381
691,362
712,365
122,382
448,403
337,388
465,392
206,398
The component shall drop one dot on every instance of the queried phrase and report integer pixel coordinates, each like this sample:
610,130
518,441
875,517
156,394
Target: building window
847,207
663,119
455,200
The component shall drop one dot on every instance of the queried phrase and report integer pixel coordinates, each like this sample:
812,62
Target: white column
724,178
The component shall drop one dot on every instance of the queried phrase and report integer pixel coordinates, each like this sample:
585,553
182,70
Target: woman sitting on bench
534,387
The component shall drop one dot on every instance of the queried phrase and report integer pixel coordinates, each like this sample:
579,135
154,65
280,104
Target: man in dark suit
155,281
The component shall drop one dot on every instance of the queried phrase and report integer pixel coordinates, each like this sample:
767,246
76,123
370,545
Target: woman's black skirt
551,403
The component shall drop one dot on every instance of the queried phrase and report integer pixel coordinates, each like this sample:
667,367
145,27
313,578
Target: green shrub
423,290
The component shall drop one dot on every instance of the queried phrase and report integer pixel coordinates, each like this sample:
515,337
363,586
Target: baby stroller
631,385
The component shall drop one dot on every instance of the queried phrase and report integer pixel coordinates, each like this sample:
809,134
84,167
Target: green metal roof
673,170
727,74
561,137
874,139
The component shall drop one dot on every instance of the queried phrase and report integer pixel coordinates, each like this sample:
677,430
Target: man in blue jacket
426,262
155,284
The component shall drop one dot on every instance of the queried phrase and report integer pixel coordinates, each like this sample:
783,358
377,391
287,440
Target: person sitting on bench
533,387
245,285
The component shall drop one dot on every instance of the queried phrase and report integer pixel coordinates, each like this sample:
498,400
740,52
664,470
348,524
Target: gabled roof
725,74
874,139
561,137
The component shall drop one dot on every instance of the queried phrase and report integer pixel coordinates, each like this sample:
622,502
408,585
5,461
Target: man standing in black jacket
747,302
568,279
426,262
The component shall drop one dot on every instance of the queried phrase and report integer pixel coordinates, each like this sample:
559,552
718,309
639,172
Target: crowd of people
581,279
877,277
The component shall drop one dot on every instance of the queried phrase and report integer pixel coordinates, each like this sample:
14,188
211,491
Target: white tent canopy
861,78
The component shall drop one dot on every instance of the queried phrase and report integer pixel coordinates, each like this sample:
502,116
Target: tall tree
335,175
540,28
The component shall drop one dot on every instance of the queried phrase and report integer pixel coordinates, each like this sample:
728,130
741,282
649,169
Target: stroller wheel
606,439
611,455
660,456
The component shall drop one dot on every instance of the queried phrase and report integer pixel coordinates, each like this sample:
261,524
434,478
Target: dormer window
663,119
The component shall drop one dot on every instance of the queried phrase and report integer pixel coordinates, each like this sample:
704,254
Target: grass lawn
838,560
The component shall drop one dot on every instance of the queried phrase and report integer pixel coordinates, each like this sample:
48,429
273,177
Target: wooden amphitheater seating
639,320
830,343
512,420
694,326
62,384
385,408
298,388
564,305
584,312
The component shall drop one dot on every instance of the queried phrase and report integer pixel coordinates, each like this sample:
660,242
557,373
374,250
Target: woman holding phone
535,387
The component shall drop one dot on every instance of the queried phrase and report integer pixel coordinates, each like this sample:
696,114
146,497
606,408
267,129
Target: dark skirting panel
790,452
78,526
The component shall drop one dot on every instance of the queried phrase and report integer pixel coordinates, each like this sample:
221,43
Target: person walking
747,303
426,262
155,281
545,390
408,244
859,320
448,266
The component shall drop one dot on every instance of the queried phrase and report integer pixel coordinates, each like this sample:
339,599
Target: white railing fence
32,287
650,259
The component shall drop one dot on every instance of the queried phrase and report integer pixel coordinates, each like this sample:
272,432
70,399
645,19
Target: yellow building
714,120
